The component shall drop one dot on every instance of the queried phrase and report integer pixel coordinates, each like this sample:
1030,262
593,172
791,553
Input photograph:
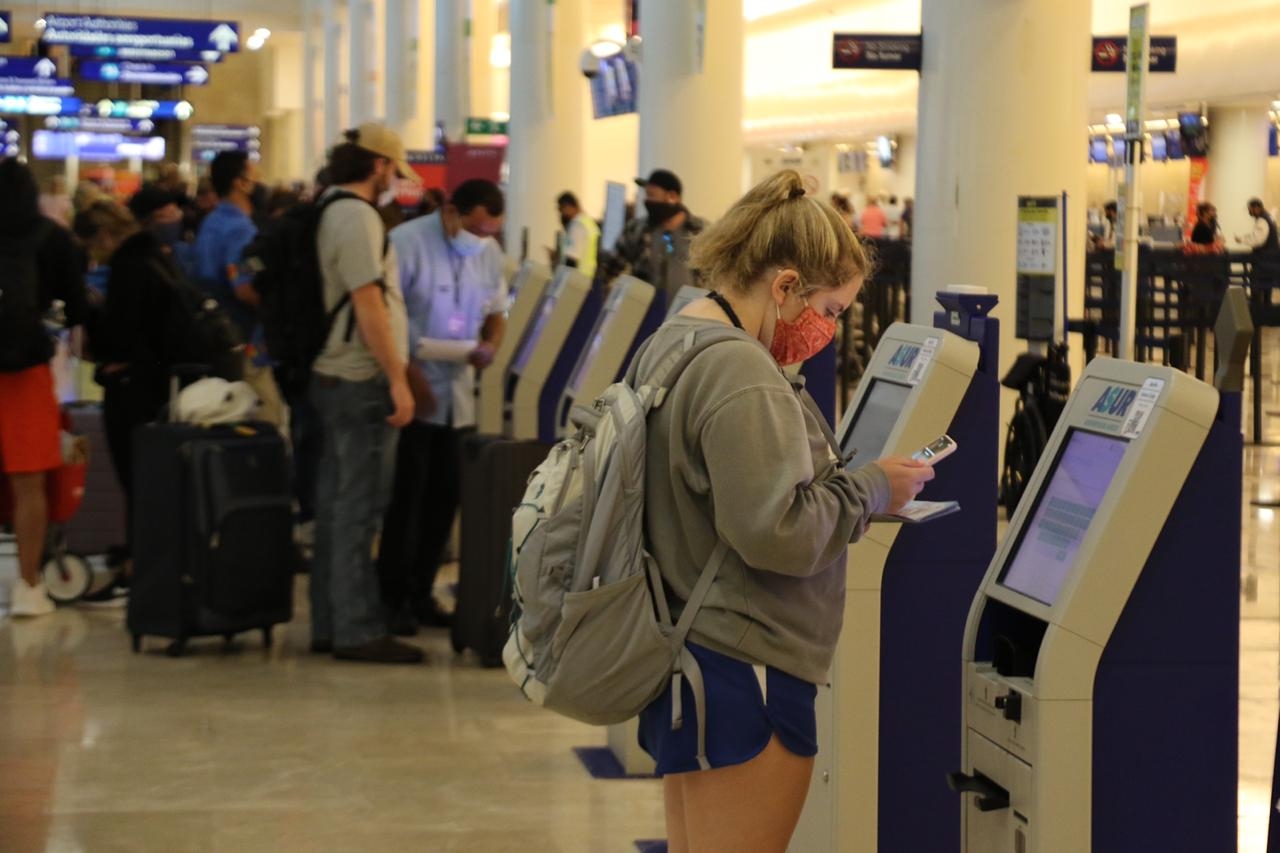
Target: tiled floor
102,750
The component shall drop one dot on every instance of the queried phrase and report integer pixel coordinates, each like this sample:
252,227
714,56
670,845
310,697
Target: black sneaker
382,650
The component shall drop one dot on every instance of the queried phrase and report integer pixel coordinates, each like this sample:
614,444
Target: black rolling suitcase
213,532
494,475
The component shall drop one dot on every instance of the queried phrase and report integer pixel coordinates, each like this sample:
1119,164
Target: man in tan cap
360,388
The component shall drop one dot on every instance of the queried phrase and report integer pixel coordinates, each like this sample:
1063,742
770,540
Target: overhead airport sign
1110,54
20,66
883,51
39,105
6,26
10,140
150,33
145,73
32,77
226,137
180,110
93,124
144,54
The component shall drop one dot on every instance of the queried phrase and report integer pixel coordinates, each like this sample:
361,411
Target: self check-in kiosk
883,717
527,289
547,353
683,297
630,313
1101,653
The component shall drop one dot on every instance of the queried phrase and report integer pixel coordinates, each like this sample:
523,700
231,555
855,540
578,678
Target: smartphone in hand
935,451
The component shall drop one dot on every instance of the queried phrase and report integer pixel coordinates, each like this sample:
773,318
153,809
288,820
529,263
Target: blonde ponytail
779,223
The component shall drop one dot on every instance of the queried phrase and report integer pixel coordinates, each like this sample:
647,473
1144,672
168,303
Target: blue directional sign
108,108
10,140
154,33
145,73
144,54
6,26
20,66
94,124
39,105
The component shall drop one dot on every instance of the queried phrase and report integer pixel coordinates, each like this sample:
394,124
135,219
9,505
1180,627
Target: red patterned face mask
802,338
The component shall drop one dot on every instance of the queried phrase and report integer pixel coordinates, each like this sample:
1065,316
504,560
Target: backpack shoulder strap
667,372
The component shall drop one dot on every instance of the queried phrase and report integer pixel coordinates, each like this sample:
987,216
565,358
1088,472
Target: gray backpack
592,636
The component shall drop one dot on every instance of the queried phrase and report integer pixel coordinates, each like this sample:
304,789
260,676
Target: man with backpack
360,387
41,265
219,255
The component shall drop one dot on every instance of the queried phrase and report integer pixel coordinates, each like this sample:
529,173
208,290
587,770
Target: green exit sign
486,127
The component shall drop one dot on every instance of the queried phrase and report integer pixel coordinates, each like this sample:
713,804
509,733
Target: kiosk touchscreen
1101,653
539,370
918,386
683,297
624,317
527,289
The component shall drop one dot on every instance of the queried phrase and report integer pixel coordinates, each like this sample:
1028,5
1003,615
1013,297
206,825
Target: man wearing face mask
456,295
581,235
361,390
656,245
218,258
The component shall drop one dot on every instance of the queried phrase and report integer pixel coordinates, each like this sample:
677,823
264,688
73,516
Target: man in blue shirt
450,269
219,254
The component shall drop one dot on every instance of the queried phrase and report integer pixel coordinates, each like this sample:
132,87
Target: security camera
589,64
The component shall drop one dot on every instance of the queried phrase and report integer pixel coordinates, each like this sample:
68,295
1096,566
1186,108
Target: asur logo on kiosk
904,356
1115,402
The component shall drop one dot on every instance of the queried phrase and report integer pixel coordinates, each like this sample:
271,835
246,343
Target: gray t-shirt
734,454
350,241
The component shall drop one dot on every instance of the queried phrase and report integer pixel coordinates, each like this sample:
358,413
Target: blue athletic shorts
740,719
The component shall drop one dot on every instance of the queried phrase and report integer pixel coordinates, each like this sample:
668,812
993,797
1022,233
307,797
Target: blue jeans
357,466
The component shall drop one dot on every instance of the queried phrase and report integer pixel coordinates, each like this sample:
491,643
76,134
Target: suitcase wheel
177,648
67,577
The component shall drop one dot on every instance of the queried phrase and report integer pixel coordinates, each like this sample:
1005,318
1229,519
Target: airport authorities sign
143,33
145,73
885,51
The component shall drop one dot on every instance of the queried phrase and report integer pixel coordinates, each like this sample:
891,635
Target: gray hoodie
734,454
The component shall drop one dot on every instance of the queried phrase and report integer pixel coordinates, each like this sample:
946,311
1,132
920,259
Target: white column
548,115
1237,164
453,66
395,61
362,99
1003,112
691,105
332,73
312,107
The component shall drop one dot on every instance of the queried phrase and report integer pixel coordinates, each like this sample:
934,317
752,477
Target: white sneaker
30,600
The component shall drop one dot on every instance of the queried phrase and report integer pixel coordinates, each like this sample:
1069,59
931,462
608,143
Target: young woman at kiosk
738,453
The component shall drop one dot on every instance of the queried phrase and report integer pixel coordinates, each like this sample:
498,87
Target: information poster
1039,247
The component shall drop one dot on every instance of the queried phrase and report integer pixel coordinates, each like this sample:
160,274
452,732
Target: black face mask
565,220
660,211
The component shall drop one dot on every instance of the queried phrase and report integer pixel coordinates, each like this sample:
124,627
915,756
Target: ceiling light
255,43
262,33
1115,118
603,48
